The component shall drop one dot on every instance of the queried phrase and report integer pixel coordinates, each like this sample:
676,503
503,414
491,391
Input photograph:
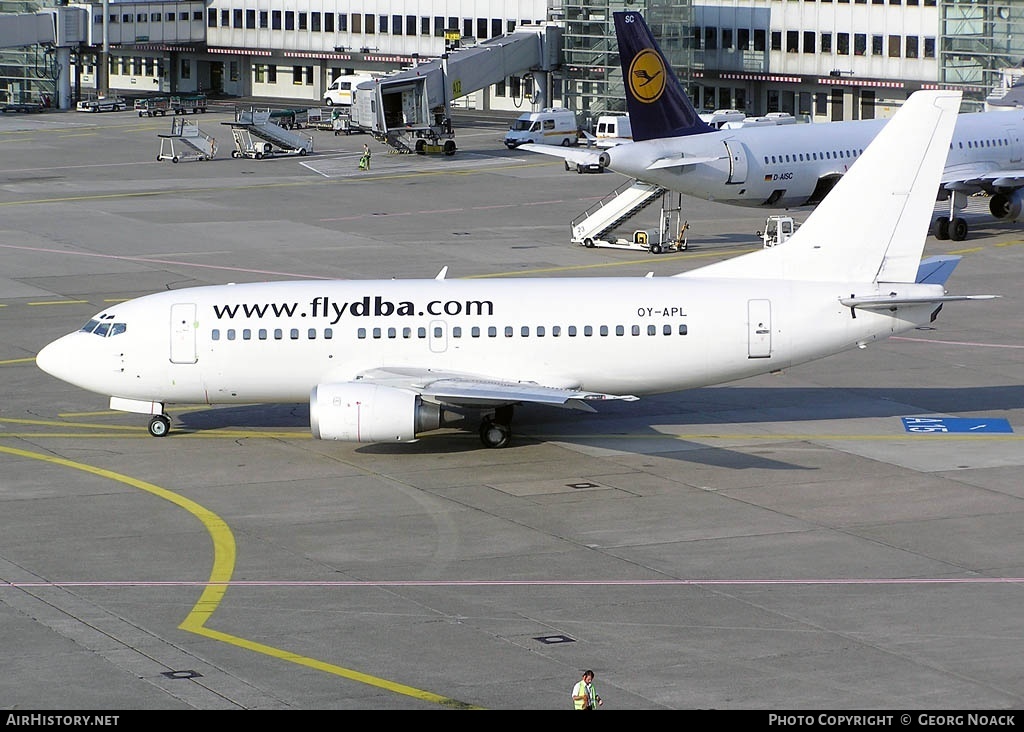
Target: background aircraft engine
358,412
1006,205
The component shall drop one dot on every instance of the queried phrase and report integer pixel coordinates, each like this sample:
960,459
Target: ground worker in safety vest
583,694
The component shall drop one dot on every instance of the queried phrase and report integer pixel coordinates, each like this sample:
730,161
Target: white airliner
787,165
385,360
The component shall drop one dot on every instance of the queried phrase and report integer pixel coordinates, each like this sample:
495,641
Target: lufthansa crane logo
647,76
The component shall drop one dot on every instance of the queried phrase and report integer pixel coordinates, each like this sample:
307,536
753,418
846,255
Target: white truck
777,229
550,126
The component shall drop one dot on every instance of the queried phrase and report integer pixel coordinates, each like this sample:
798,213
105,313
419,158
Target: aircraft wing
474,390
977,174
602,142
591,156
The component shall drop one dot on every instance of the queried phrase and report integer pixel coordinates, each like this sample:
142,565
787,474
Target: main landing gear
159,426
496,431
946,228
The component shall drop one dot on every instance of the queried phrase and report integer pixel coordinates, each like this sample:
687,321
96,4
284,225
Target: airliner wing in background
977,176
577,156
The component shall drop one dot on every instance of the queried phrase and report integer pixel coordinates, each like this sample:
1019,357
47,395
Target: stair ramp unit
594,226
256,136
186,142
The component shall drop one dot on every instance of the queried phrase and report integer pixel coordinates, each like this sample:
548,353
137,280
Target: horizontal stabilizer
884,302
681,162
936,270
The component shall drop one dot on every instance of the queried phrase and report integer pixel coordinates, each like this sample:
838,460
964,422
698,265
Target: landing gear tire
159,426
942,228
495,434
958,229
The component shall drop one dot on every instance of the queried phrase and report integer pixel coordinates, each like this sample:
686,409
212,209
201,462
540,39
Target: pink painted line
150,260
954,343
524,583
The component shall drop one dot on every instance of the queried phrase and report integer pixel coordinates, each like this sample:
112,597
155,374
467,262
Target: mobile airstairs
595,226
256,136
186,142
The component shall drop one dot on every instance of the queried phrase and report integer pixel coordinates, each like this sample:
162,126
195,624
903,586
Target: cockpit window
104,329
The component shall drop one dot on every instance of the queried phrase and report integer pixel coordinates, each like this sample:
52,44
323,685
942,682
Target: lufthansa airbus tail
789,165
386,360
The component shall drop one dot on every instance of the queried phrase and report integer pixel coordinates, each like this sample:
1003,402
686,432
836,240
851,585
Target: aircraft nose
55,359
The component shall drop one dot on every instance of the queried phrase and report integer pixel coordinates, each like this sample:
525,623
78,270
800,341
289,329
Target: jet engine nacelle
1007,205
358,412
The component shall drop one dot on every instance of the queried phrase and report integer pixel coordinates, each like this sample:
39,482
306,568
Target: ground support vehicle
22,107
777,229
290,119
102,104
193,103
256,136
320,118
186,142
153,106
341,123
596,226
584,167
550,126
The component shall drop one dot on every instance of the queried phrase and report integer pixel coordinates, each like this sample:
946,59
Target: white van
340,90
552,126
613,129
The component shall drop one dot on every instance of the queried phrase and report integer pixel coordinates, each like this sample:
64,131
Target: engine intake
1006,205
358,412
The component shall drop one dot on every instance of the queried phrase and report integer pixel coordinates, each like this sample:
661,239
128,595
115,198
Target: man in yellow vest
583,694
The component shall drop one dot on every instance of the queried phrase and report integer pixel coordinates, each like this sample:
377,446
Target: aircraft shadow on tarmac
693,410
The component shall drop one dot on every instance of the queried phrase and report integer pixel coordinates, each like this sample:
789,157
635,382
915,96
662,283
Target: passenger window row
524,331
804,157
263,334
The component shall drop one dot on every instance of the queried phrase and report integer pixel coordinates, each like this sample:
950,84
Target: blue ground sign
955,424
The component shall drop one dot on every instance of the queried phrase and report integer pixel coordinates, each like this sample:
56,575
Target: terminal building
818,60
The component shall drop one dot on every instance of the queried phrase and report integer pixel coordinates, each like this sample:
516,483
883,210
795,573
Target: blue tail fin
655,100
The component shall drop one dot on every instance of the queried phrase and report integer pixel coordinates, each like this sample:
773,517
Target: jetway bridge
410,110
64,28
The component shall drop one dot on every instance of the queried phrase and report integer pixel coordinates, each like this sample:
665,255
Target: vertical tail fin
655,100
873,225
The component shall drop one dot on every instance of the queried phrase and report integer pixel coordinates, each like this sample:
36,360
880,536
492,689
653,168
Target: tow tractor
777,229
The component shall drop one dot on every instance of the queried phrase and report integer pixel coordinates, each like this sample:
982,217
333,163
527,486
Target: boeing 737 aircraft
783,166
386,360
